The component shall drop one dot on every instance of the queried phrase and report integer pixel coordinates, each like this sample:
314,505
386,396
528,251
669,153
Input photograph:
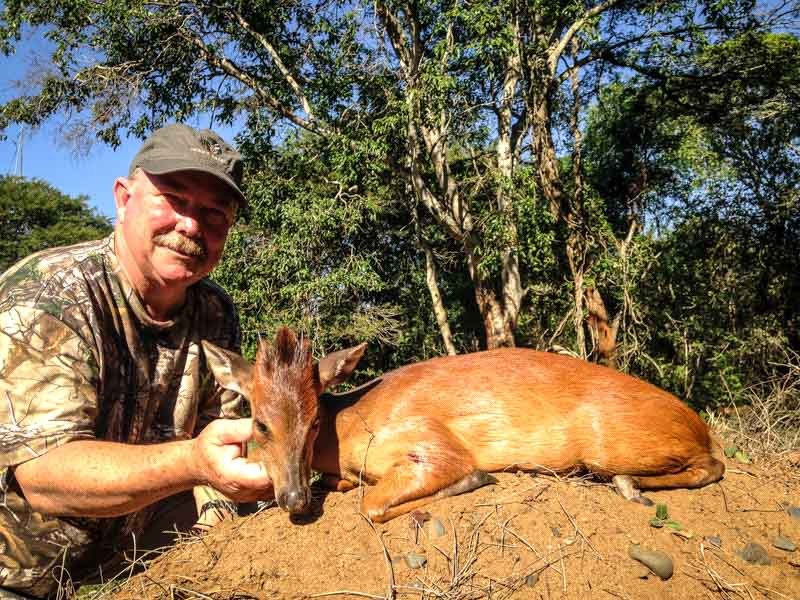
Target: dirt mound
524,537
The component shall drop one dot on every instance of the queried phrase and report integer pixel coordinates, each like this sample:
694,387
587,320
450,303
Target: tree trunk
545,153
604,334
439,309
576,223
432,281
428,135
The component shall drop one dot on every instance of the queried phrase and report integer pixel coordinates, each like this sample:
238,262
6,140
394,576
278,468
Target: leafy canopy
34,216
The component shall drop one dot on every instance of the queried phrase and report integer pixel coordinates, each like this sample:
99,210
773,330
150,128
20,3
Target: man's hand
218,458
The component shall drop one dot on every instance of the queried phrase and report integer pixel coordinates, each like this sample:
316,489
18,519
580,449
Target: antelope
437,428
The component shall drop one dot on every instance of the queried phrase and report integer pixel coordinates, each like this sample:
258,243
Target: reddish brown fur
426,429
284,402
510,408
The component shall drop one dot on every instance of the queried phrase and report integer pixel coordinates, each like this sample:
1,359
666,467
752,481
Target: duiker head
283,387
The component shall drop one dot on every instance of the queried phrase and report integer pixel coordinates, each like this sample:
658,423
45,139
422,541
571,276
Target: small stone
715,541
436,528
754,554
658,562
532,579
556,532
784,543
794,511
414,560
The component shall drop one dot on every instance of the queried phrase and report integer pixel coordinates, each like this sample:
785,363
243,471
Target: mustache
180,243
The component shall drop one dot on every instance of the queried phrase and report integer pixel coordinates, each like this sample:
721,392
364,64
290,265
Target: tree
709,290
35,216
471,99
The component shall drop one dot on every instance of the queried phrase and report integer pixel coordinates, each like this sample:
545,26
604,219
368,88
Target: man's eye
175,201
216,217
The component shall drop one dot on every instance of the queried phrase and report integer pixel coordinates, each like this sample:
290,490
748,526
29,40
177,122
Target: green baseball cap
178,147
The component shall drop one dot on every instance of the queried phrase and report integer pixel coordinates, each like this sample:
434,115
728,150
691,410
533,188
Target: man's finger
232,431
251,474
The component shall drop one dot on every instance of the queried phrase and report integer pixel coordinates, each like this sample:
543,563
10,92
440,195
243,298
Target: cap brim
173,166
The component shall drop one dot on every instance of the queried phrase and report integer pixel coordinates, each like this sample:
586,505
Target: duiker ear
231,370
337,366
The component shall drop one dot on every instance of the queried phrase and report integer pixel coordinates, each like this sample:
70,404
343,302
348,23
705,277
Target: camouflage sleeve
220,403
48,379
224,331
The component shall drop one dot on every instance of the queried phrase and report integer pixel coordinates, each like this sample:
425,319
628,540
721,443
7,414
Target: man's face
174,225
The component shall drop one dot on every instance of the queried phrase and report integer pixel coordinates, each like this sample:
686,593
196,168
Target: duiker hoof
471,482
643,500
624,485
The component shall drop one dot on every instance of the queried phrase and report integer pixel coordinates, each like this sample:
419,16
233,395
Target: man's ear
231,370
122,194
337,366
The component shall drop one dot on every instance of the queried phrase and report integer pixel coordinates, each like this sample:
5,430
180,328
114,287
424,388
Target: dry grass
764,418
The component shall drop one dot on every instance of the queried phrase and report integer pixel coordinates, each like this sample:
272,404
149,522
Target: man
108,416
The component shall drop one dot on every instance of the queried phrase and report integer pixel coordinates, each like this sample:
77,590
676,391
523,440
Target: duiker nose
294,501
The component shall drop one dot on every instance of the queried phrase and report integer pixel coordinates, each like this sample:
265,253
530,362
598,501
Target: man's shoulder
213,295
217,312
63,263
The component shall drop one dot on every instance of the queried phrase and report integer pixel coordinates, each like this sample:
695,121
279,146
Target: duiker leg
434,467
628,490
403,491
700,471
335,482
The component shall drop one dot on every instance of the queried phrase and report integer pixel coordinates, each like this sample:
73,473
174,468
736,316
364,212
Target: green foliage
35,216
323,249
685,212
709,291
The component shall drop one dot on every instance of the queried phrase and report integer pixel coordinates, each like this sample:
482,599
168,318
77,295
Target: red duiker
436,428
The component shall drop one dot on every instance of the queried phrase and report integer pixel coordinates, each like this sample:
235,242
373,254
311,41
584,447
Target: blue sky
45,157
44,154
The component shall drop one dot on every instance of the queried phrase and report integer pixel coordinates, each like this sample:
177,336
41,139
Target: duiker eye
262,428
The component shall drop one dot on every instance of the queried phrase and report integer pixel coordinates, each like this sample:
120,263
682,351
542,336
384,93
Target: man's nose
188,225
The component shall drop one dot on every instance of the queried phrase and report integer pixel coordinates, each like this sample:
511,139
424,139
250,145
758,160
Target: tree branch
555,52
287,75
249,80
394,30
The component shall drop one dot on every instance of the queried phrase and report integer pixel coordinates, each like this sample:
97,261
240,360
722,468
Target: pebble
784,543
414,560
658,562
436,528
755,554
715,540
794,511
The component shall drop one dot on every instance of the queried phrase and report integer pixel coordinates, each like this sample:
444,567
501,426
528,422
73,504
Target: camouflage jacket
81,359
